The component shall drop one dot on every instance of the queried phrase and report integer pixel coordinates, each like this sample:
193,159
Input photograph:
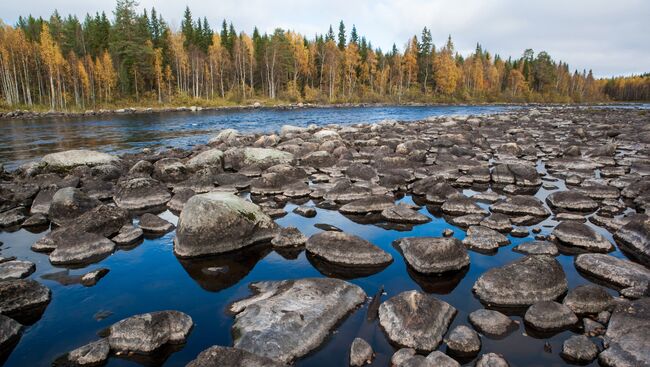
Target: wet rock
465,221
13,217
81,248
231,357
588,298
463,341
347,250
447,232
16,269
403,214
217,222
484,239
491,360
461,205
128,235
289,237
401,356
10,332
571,201
613,271
579,349
522,282
416,320
140,193
581,236
550,315
208,158
429,255
372,204
264,326
147,332
634,238
179,199
91,278
43,200
492,323
153,224
521,205
63,161
537,248
305,211
23,296
360,353
36,220
497,222
628,335
92,354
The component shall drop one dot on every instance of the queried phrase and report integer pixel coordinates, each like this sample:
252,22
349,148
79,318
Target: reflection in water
438,283
342,272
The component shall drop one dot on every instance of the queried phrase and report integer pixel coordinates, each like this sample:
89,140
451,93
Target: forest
134,58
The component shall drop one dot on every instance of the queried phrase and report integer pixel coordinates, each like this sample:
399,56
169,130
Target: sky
611,37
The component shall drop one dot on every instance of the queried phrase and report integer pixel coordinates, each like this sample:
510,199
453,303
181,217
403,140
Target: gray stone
440,192
305,211
262,158
264,326
492,323
581,236
140,193
289,237
36,220
153,224
69,159
128,235
522,282
498,222
463,341
104,220
439,359
403,214
484,239
634,238
491,360
401,356
91,354
147,332
431,255
588,298
43,200
218,356
521,205
571,201
91,278
81,248
10,332
628,335
208,158
22,296
170,170
461,205
69,203
537,248
579,349
16,269
372,204
613,271
217,222
348,250
550,315
179,199
416,320
360,353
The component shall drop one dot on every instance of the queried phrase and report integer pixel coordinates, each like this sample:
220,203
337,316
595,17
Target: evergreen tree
342,41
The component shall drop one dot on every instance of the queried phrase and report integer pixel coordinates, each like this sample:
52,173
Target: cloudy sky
612,37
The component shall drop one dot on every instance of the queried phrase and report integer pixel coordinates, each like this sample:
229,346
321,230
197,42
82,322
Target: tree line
136,57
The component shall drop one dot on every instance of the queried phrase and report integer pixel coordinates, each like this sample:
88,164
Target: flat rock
18,297
128,235
492,323
440,192
628,334
140,193
147,332
484,239
218,222
463,341
208,158
461,205
581,236
150,223
571,201
432,255
16,269
371,204
403,214
72,158
10,332
360,353
613,271
43,200
231,357
634,238
91,278
289,237
82,248
537,248
104,220
68,203
550,315
348,250
179,199
519,205
522,282
416,320
91,354
491,360
305,211
439,359
579,349
498,222
285,320
588,299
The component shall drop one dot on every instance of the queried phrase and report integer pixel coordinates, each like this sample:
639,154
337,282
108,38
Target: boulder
140,193
347,250
13,217
491,360
571,201
81,248
588,299
219,222
43,200
431,255
128,235
492,323
181,196
147,332
20,297
463,341
403,214
550,315
289,237
153,224
516,174
537,248
439,359
64,161
615,272
634,238
68,203
579,349
371,204
628,335
170,170
10,332
416,320
360,353
261,158
104,220
218,356
266,327
580,236
92,354
16,269
519,205
225,136
461,205
208,158
522,282
401,356
484,239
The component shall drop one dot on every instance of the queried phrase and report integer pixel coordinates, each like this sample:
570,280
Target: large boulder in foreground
219,222
231,357
634,238
285,320
522,282
69,159
347,250
147,332
628,335
433,255
416,320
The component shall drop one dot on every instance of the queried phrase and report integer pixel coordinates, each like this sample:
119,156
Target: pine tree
342,41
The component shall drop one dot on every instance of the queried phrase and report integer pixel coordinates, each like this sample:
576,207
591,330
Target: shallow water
150,278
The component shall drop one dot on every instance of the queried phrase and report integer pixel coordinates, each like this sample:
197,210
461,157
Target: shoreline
26,114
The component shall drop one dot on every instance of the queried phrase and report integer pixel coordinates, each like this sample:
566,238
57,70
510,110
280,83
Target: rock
218,222
218,356
91,278
491,360
93,354
208,158
81,248
347,250
147,332
344,192
492,323
463,341
537,248
104,220
484,239
261,158
153,224
439,359
581,236
440,192
571,201
128,235
68,203
517,174
140,193
401,356
466,221
170,170
305,211
372,204
12,217
16,269
23,296
628,334
10,332
360,353
634,238
225,136
521,205
179,199
550,315
416,320
592,328
579,349
36,220
498,222
613,271
522,282
461,205
588,299
448,232
43,200
264,326
430,255
403,214
289,237
63,161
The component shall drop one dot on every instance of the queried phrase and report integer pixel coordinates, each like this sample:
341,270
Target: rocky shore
585,172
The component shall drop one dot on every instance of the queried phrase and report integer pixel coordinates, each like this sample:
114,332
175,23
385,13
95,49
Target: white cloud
610,37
